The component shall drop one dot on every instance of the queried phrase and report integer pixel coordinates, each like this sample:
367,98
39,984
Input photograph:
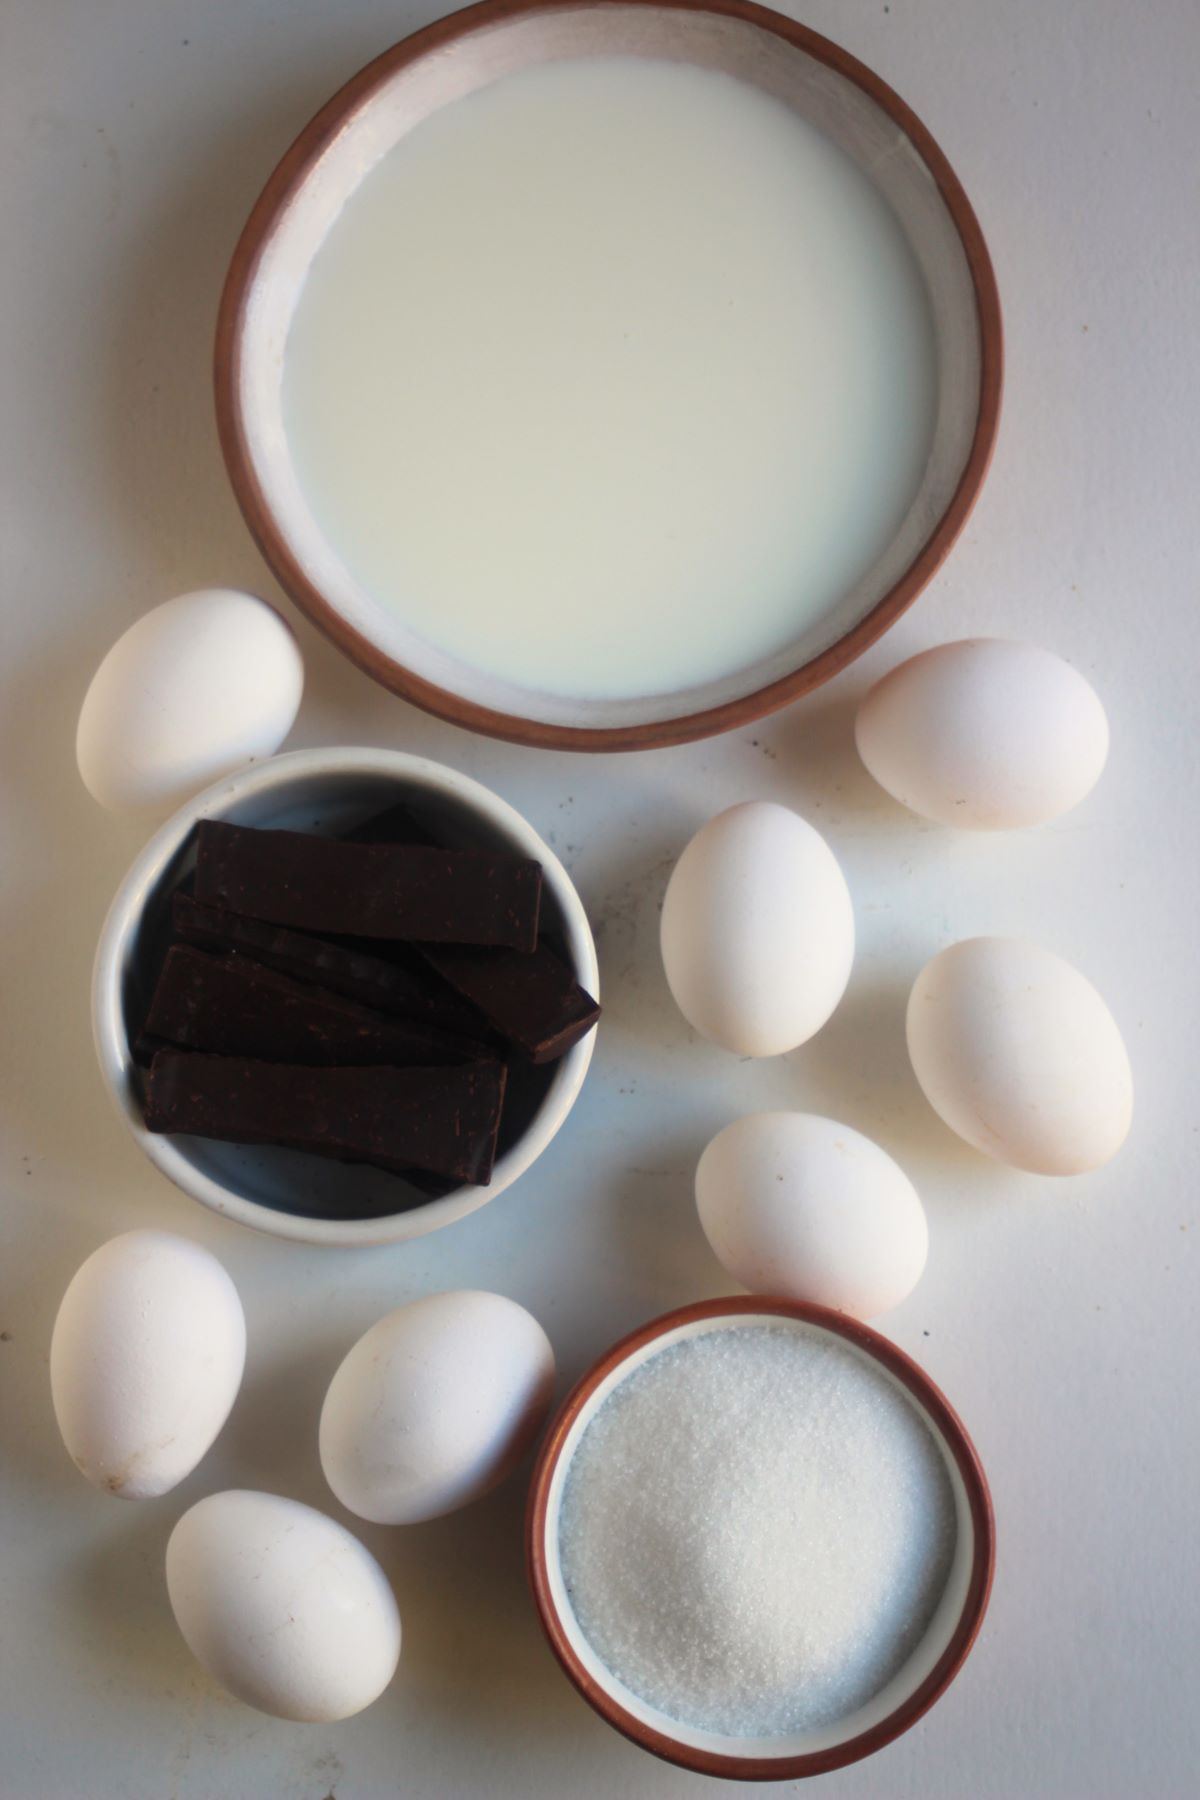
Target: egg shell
798,1205
282,1606
1020,1056
985,734
194,689
145,1361
435,1405
757,930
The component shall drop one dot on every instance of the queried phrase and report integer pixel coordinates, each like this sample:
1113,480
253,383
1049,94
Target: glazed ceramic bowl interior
286,1192
933,1662
455,58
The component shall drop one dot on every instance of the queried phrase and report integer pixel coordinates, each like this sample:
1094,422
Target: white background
1060,1317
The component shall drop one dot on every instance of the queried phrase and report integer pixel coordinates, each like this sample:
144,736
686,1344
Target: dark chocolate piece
407,891
236,1007
398,825
434,1187
525,1090
405,986
443,1121
524,1095
533,1001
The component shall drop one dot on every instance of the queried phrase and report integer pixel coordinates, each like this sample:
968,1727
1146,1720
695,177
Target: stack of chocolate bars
372,998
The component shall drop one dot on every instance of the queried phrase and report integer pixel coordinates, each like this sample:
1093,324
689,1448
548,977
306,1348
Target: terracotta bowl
930,1668
284,1192
458,55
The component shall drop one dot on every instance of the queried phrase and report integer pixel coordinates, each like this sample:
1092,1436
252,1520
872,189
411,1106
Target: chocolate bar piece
398,825
443,1121
145,1048
407,891
237,1007
533,1001
405,986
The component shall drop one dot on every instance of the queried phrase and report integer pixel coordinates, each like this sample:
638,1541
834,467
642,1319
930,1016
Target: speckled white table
1060,1318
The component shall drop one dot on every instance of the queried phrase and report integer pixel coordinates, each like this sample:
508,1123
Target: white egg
145,1361
434,1405
197,687
1020,1056
282,1606
801,1206
984,734
757,930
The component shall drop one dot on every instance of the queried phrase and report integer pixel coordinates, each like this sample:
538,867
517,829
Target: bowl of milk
608,376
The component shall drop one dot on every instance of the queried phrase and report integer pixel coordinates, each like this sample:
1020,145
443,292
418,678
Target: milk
611,378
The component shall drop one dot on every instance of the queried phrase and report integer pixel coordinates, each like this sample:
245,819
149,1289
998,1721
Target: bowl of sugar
606,376
759,1539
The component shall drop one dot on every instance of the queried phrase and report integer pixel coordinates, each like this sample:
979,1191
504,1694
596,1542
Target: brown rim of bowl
816,1762
444,704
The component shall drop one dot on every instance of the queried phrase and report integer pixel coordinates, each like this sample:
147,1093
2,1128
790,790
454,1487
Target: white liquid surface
612,378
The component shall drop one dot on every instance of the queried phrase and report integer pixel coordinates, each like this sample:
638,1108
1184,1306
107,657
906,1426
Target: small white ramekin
266,1188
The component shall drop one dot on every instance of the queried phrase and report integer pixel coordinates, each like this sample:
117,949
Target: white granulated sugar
756,1529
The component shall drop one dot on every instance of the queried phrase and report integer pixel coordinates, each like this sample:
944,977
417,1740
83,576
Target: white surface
1060,1315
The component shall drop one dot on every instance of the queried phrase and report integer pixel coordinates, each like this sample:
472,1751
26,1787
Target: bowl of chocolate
345,996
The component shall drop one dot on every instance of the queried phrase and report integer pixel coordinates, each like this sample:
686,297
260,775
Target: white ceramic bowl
283,1191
